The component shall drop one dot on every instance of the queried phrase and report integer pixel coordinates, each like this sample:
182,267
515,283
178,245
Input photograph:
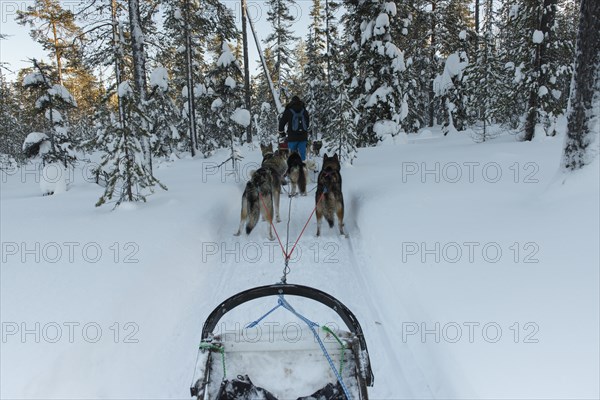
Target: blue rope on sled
311,325
253,324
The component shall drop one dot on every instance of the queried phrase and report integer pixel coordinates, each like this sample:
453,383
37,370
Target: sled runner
319,362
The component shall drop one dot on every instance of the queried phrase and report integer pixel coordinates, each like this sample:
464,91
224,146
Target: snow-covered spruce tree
451,37
567,22
12,128
164,115
340,133
265,117
529,43
54,144
449,89
266,123
127,178
343,138
583,131
483,78
189,25
107,47
413,34
317,95
329,11
280,42
225,91
377,88
542,105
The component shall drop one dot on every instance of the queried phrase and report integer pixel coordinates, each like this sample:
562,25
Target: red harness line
286,255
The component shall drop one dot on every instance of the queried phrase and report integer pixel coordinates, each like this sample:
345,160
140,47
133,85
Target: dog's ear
325,157
335,157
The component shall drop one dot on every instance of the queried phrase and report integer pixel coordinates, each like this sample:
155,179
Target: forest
145,80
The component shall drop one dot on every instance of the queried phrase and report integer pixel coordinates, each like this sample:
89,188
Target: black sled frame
363,372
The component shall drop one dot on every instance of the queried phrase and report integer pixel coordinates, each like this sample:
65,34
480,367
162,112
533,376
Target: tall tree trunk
57,52
118,51
432,64
540,72
476,16
584,115
246,69
189,61
139,68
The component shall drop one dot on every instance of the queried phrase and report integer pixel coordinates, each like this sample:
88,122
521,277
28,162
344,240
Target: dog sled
316,362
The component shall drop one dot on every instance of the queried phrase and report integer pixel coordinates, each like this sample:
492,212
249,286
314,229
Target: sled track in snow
233,276
421,388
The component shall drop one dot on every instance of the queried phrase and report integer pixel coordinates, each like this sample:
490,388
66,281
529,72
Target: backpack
298,120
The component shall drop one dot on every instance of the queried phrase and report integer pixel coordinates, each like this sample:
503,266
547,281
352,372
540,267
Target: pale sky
19,47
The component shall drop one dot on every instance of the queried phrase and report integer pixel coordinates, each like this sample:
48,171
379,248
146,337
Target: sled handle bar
293,290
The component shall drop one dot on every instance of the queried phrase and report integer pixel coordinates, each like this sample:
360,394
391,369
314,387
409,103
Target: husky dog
315,147
258,200
313,167
275,160
297,172
266,149
329,198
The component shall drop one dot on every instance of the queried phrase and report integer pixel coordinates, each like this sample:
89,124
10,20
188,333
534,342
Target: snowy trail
329,263
161,267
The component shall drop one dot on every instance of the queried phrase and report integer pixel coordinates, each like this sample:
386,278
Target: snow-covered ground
473,269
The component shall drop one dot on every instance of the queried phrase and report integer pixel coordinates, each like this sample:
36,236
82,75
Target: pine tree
456,39
164,115
484,78
51,26
317,91
529,41
264,109
541,103
189,26
377,89
280,42
266,123
225,95
343,139
583,131
413,34
12,128
54,145
127,177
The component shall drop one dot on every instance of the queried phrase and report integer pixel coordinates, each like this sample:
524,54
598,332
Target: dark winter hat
295,99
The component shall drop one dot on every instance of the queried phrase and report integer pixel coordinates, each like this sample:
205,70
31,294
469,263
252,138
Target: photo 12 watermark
70,252
470,252
470,172
69,332
469,332
268,252
272,332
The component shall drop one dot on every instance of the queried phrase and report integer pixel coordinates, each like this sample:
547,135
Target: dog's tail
253,210
302,178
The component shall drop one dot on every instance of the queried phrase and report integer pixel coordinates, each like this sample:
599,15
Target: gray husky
329,197
258,199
